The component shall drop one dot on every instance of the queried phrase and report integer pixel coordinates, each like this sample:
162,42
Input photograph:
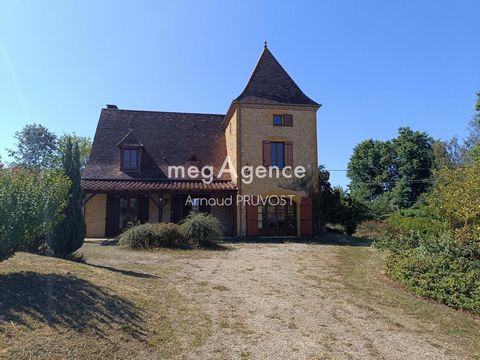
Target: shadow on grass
124,272
65,301
109,242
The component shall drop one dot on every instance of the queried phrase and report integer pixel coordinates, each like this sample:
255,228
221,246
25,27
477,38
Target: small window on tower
277,120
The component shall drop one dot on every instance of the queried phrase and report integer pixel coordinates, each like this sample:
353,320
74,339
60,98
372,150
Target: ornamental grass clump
202,230
150,236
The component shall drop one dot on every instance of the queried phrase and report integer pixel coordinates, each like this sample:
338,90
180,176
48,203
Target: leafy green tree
414,162
35,148
84,147
391,174
455,197
475,151
31,204
69,235
372,169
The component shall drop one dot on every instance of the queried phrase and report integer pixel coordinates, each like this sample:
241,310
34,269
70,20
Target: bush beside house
197,230
31,205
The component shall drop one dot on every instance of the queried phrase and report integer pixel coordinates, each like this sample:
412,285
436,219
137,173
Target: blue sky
374,65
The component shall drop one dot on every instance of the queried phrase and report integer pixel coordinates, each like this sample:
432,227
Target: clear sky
374,65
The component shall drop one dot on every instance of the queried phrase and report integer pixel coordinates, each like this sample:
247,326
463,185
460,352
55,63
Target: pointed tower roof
271,84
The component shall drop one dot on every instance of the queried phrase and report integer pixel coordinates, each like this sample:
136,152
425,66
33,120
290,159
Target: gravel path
291,301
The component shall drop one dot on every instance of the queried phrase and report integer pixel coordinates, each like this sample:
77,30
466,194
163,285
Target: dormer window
131,149
130,159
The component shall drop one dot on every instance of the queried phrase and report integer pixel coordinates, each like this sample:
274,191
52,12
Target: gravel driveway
285,301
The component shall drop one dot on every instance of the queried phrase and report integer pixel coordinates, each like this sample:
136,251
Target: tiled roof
167,139
152,185
271,84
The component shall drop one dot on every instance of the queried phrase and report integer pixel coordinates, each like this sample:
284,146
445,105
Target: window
277,120
283,120
277,153
130,159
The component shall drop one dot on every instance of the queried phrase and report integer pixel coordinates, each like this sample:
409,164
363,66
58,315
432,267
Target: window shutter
267,158
306,222
289,153
142,211
287,120
252,219
112,216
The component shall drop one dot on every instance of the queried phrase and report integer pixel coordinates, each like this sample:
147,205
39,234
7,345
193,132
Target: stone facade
95,212
254,124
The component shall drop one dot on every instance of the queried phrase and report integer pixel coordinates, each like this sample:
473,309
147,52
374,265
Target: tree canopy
395,172
36,147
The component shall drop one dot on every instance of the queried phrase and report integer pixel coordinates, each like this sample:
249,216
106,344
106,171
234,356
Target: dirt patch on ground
259,301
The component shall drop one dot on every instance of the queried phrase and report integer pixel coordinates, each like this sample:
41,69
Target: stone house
134,171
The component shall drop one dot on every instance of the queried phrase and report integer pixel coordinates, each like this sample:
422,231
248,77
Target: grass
363,274
161,304
54,308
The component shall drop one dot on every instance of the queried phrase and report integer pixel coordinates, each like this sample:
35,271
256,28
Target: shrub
31,204
441,268
202,229
399,242
138,237
169,235
374,229
147,236
415,223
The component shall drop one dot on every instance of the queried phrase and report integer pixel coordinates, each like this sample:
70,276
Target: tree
454,197
330,205
35,147
31,204
475,123
391,174
414,162
84,146
69,235
372,169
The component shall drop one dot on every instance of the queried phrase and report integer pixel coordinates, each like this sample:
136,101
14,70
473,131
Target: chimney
111,106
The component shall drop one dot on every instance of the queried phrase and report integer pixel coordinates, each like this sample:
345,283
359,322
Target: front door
278,220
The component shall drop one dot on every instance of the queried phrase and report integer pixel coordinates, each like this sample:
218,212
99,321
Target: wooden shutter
252,220
287,120
267,157
306,223
288,153
176,204
112,216
142,210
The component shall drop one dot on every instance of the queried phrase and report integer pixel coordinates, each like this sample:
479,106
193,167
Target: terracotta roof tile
90,185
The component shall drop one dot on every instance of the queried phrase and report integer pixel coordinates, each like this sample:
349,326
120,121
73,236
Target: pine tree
69,234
